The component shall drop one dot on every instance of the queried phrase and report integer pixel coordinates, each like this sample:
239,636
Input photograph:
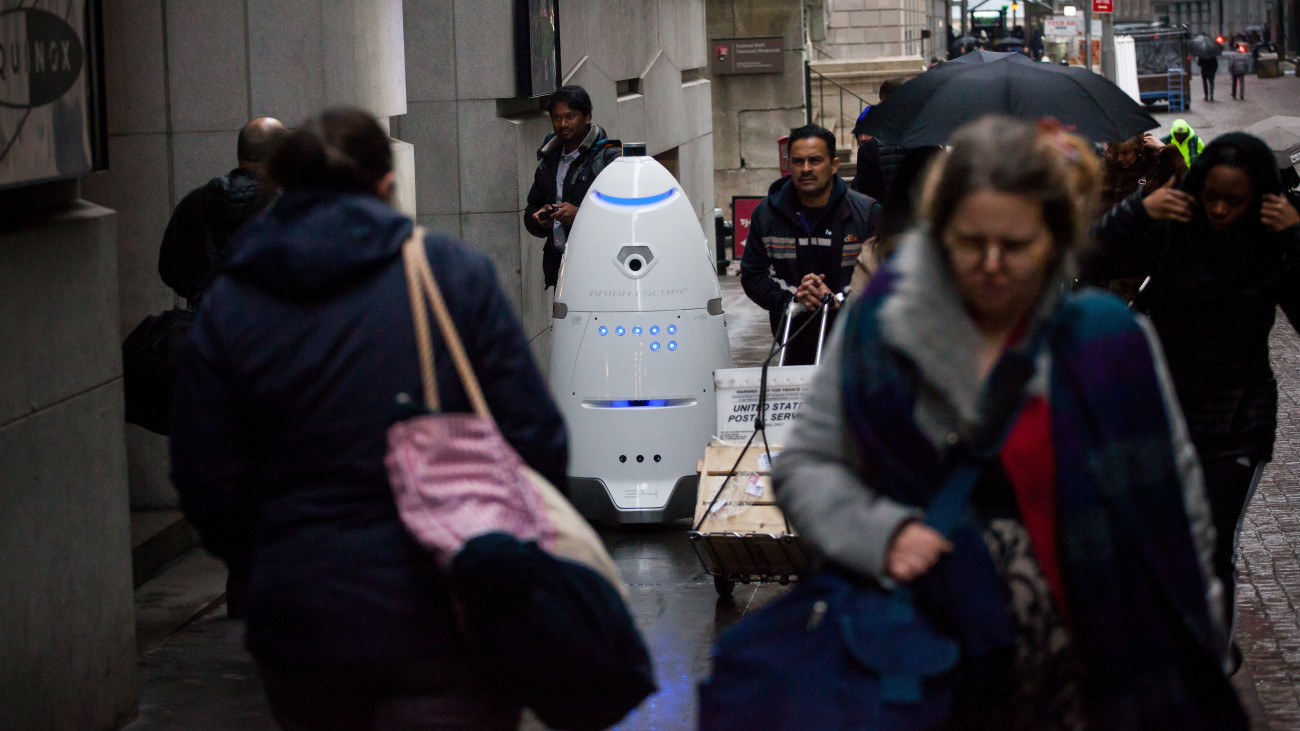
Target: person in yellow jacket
1182,137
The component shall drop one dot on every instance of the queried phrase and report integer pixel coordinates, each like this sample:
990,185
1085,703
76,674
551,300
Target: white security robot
637,332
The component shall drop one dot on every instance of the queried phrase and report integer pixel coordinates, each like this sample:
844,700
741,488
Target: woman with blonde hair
1077,579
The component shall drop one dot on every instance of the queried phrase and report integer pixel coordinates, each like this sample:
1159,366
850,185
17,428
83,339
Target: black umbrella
1203,46
980,55
963,43
929,108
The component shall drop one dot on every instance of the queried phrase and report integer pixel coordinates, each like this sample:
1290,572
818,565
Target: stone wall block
363,47
719,18
197,157
681,32
695,42
662,86
207,65
68,642
631,119
133,66
430,51
695,160
149,470
442,223
601,88
404,168
534,297
573,34
540,344
485,51
498,235
432,128
726,143
58,310
850,5
758,134
669,36
529,133
488,159
697,99
620,36
286,54
138,189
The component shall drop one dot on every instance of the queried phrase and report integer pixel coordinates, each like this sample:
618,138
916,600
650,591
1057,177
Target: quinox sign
40,58
51,103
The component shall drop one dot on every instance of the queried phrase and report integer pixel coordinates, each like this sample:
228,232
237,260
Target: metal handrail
846,121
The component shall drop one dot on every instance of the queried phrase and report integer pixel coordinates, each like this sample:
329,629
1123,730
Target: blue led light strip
646,201
654,403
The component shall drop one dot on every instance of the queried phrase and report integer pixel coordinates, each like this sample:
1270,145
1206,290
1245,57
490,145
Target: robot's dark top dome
633,149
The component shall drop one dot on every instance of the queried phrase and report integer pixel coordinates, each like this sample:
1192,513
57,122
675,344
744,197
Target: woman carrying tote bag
303,356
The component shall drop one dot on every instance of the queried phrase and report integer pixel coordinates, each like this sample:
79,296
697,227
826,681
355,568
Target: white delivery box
737,394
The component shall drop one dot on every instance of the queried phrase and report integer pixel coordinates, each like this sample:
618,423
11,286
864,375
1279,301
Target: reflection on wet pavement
673,598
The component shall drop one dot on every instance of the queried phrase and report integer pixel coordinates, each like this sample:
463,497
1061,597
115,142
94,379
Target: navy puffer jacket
300,349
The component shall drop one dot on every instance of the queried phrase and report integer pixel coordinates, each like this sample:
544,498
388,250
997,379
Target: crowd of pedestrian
1086,576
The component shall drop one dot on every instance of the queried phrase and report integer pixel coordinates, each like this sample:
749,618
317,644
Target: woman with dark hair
1078,582
303,355
1222,253
1138,163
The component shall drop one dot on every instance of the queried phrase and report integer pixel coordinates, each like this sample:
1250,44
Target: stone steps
175,581
157,538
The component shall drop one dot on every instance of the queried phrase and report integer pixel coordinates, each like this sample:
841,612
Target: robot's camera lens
635,263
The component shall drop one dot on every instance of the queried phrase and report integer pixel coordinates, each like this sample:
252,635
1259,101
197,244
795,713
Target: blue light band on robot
672,329
646,201
654,403
672,345
654,329
654,345
604,330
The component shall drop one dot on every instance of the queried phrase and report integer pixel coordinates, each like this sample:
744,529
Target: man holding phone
568,162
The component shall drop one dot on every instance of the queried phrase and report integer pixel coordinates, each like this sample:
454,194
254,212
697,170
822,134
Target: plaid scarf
1136,596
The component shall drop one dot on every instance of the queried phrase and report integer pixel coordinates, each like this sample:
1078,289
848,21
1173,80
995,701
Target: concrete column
67,639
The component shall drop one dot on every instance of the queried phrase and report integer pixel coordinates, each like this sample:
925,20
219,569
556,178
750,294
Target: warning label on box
737,409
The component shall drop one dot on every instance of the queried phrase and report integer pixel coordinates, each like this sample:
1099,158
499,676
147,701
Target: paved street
201,678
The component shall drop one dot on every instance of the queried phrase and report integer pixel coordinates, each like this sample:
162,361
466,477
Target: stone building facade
859,29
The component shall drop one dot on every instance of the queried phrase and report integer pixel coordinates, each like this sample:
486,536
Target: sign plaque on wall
1103,6
51,92
748,55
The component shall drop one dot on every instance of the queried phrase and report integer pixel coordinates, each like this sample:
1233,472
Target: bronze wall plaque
748,55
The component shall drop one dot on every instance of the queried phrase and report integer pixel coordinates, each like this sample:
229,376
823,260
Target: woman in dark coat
1221,251
303,355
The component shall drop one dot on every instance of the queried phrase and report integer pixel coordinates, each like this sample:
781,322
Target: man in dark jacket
877,161
197,236
568,162
805,238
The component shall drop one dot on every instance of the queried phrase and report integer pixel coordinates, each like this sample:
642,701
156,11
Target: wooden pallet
762,515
